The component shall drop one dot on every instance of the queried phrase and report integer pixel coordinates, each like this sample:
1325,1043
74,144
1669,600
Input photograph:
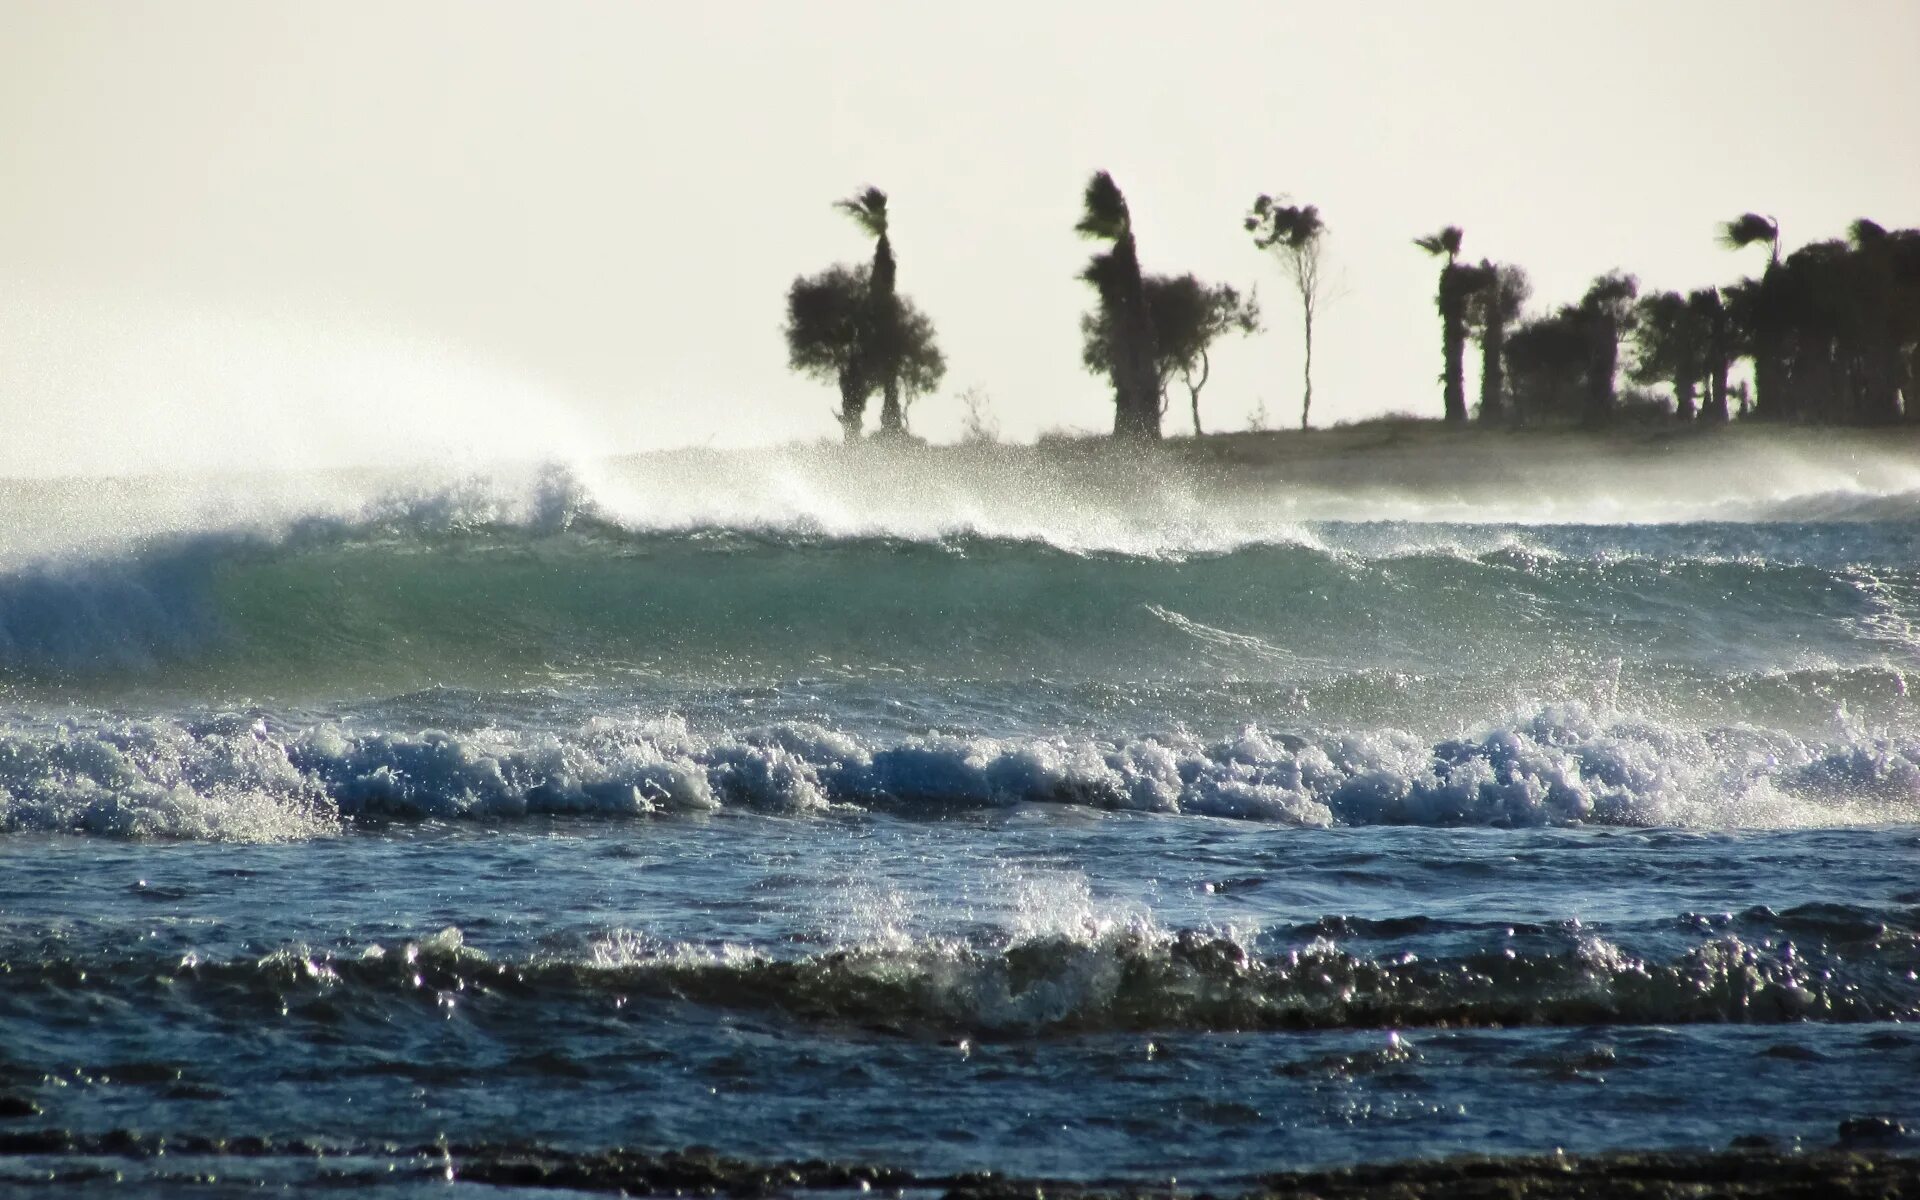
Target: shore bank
1383,469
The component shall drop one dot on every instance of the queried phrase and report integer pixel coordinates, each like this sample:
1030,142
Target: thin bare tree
1295,233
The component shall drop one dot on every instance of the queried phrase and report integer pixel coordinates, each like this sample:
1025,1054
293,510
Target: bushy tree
1125,317
1548,360
918,364
827,317
1671,346
1187,317
1294,234
833,328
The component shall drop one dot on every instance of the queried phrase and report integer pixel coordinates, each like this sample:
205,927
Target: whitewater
1062,813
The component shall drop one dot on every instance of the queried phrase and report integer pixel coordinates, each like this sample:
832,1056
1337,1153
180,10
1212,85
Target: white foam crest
234,777
226,781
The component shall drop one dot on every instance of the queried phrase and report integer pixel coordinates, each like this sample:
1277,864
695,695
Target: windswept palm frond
1105,215
1747,229
869,208
1446,242
1865,232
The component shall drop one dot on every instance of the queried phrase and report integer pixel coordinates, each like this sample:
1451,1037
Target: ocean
1073,818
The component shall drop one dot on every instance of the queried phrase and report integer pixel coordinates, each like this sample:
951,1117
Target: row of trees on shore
1832,330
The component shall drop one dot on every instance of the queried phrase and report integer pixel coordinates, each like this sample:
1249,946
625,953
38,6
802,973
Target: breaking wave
475,583
252,777
1761,967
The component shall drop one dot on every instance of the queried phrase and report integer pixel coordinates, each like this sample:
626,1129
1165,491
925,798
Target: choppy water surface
1051,827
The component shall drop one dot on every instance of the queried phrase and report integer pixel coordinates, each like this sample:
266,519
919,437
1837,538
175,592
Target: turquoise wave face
366,610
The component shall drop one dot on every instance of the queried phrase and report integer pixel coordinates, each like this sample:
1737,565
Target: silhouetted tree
1758,311
1495,304
1837,319
1606,313
1878,319
1294,234
919,366
831,333
1670,342
1456,290
1710,315
827,316
869,210
1187,317
1903,252
1124,312
1548,358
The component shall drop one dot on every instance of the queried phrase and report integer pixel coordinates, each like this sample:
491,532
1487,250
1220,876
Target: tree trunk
853,404
1493,374
1136,408
1193,389
884,315
1603,358
893,419
1683,398
1306,370
1717,364
1771,386
1882,383
1453,343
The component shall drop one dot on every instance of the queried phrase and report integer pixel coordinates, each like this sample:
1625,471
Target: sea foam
248,777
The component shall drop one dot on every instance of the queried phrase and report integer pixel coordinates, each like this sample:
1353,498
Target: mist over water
1269,794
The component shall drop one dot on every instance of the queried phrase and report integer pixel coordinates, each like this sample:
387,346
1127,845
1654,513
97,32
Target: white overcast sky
274,233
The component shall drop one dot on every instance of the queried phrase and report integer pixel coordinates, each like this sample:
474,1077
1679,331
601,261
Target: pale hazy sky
286,232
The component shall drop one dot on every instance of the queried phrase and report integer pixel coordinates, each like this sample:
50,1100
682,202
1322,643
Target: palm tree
1115,275
1748,228
1188,316
1710,313
1496,304
868,208
1761,309
1452,300
1548,359
1606,312
1293,233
